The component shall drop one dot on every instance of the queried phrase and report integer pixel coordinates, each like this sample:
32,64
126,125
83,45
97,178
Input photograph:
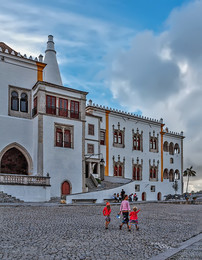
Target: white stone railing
24,179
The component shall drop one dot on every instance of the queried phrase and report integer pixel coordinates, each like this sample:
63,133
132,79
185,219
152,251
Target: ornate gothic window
118,167
153,171
118,137
153,142
137,170
137,140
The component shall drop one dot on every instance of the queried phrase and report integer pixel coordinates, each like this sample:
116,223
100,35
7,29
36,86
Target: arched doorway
143,196
65,188
159,196
14,162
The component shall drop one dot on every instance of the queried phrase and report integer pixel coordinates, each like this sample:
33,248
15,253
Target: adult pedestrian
122,194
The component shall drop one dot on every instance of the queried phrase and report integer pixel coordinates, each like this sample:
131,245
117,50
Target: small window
102,137
51,105
67,138
74,109
14,101
91,148
90,129
63,136
120,138
137,188
115,138
63,107
34,112
171,160
152,188
24,103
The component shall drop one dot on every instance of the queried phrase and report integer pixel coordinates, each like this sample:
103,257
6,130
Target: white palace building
52,144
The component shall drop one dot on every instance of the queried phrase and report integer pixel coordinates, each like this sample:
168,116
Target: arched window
134,173
138,173
24,103
171,175
138,143
154,173
151,173
165,173
115,170
154,144
165,146
14,101
151,143
115,137
176,149
177,175
171,148
120,170
120,138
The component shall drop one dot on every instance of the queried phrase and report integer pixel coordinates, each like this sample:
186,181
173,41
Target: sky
140,56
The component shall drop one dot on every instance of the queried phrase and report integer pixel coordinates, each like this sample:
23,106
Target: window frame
91,129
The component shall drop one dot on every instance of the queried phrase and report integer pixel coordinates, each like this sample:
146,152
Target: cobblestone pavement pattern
191,252
77,232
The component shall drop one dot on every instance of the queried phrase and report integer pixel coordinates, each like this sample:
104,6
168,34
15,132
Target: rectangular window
35,107
74,109
63,107
152,188
102,137
64,136
67,138
90,129
51,105
137,188
59,137
91,148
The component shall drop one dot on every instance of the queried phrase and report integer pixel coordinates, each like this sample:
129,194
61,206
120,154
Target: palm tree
189,173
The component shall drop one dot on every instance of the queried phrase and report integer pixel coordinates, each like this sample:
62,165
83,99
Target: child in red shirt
134,218
106,213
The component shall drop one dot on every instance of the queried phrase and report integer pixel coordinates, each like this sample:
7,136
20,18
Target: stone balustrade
24,180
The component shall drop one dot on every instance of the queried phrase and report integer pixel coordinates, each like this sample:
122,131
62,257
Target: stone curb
172,251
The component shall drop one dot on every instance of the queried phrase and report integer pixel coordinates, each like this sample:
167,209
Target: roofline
58,86
121,113
174,134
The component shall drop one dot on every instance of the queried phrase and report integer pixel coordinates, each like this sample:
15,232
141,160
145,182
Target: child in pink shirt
125,209
106,212
134,218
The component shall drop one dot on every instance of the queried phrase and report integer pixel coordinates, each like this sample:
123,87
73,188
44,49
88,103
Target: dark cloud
164,72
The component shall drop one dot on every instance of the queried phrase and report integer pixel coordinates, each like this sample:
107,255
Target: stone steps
5,198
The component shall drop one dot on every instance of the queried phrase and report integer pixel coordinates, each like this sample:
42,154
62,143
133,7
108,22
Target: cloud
160,74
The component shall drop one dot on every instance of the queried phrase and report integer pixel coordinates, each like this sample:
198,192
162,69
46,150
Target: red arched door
159,196
14,162
65,188
143,196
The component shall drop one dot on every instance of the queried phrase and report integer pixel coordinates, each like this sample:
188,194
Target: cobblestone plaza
53,231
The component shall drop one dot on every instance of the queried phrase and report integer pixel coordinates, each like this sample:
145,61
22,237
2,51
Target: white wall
27,193
62,163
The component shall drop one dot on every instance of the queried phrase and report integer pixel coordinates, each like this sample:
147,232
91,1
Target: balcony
16,179
63,112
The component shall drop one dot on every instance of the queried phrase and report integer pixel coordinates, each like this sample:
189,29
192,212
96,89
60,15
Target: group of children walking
126,213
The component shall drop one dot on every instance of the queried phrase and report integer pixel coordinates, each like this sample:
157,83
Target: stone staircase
5,198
